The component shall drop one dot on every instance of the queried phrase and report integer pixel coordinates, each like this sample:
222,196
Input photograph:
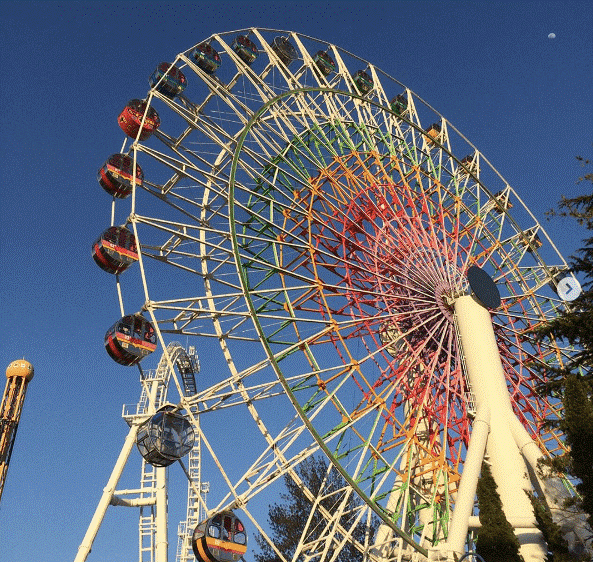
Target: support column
108,491
487,378
161,539
466,493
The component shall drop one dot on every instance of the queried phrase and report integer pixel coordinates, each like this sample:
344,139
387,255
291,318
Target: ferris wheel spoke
183,164
273,463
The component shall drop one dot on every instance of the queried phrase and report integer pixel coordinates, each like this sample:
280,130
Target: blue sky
68,68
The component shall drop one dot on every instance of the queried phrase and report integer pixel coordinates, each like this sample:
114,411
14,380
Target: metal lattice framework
320,233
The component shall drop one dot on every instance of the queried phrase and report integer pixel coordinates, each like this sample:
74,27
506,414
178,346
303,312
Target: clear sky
68,68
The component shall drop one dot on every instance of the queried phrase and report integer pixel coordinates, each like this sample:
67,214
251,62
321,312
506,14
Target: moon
552,36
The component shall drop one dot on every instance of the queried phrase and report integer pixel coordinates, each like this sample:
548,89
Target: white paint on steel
108,491
161,532
466,492
486,374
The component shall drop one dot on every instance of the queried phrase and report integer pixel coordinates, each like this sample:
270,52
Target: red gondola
221,538
116,175
324,63
168,80
245,49
115,250
132,117
284,49
206,58
130,339
363,82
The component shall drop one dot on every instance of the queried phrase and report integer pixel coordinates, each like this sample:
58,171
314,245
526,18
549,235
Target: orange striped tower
18,374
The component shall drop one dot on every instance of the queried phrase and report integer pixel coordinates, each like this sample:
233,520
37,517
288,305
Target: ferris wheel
367,275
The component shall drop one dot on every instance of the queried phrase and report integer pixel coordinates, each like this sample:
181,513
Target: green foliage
578,427
575,324
557,545
287,519
496,540
573,383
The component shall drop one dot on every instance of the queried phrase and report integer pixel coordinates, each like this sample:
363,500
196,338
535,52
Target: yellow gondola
221,538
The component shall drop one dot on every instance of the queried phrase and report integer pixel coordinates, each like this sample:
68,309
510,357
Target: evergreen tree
558,550
288,518
575,324
574,382
578,426
496,540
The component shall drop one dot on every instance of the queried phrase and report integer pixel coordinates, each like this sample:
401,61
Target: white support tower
152,523
196,502
151,497
196,505
496,434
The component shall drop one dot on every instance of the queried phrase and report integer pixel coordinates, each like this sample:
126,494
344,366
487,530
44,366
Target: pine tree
558,550
575,324
288,518
578,426
574,382
496,540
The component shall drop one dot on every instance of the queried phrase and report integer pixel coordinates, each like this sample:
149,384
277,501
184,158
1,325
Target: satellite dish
483,287
568,289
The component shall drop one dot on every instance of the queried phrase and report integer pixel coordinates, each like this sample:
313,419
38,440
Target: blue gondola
245,49
115,250
221,538
206,58
130,339
284,49
168,80
116,175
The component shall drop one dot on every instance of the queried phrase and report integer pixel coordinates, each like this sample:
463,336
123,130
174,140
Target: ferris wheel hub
445,294
483,287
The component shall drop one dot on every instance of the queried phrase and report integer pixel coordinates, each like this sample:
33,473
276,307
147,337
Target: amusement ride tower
18,374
